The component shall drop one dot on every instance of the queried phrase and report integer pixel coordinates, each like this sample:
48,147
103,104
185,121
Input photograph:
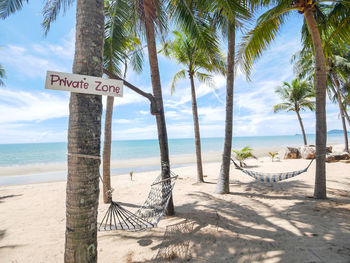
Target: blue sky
29,113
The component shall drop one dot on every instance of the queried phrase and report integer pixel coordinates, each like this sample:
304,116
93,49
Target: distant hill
335,132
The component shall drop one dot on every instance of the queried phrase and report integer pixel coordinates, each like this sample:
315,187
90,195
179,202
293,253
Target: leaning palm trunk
222,185
302,127
320,191
107,198
196,132
157,92
342,114
84,134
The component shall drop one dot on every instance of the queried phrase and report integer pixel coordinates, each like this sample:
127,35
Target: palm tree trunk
320,191
107,197
84,132
157,92
302,127
342,114
196,131
222,185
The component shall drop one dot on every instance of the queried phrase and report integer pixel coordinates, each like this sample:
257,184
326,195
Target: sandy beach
256,222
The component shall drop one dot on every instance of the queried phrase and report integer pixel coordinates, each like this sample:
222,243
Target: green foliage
2,75
243,154
7,7
186,52
273,155
296,96
331,17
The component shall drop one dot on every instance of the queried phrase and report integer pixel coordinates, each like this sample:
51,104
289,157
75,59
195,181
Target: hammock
271,177
148,215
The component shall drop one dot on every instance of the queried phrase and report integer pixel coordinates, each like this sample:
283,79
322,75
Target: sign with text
83,84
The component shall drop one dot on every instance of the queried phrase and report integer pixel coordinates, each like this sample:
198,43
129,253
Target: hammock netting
271,177
148,215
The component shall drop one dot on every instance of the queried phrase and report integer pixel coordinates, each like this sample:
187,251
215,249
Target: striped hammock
271,177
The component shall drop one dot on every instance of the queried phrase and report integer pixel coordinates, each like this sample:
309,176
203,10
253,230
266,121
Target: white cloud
17,106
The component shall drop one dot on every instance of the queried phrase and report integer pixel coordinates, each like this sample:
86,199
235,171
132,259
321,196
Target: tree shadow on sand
226,229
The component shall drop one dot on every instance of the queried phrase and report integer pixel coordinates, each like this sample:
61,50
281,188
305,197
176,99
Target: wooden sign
83,84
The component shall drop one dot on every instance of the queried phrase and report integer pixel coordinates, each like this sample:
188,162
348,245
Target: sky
30,114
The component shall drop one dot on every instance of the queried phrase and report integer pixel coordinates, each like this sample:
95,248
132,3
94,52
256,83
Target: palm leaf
178,75
258,39
8,7
51,9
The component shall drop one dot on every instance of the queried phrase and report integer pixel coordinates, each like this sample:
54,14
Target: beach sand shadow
304,231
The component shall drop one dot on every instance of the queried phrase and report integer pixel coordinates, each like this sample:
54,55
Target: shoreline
56,172
255,222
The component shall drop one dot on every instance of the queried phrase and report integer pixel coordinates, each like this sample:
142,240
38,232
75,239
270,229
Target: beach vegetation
296,96
273,155
243,154
265,31
187,52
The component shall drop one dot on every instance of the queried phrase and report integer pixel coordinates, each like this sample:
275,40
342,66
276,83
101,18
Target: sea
45,154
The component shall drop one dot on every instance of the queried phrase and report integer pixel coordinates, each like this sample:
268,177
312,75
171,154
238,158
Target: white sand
254,223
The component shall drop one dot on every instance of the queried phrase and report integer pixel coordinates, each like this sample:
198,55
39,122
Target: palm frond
178,75
51,9
283,106
258,39
2,75
205,78
8,7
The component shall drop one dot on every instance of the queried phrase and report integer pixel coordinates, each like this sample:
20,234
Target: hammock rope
148,215
271,177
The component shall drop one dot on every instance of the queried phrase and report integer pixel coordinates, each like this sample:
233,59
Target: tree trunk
196,132
84,134
222,185
342,114
320,191
302,127
157,92
107,197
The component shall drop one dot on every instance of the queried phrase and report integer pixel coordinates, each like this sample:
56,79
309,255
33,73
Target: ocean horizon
55,152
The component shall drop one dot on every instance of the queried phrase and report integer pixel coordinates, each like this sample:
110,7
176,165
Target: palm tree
119,47
228,16
265,31
84,128
186,52
296,97
338,62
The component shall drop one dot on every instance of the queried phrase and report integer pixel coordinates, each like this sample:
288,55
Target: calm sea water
41,153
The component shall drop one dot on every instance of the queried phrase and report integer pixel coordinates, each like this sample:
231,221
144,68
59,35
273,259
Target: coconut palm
264,33
120,47
84,129
296,96
186,52
338,63
226,15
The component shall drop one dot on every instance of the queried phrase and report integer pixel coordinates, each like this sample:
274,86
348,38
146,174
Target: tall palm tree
337,59
120,42
188,53
296,97
84,129
264,33
226,15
